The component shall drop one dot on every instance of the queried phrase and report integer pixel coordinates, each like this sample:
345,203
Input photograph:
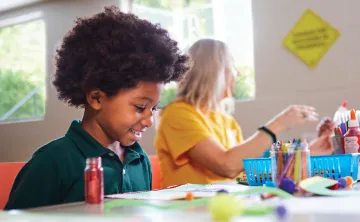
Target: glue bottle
352,136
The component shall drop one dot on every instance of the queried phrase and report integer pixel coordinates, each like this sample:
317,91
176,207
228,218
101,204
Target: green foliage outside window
22,70
14,87
244,87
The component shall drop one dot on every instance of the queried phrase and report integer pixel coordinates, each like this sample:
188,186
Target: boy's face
125,116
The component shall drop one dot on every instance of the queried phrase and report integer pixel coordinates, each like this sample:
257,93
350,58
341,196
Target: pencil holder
293,163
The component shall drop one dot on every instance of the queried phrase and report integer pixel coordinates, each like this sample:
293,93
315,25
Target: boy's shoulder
57,148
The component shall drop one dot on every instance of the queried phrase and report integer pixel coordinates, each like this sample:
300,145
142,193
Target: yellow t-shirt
181,128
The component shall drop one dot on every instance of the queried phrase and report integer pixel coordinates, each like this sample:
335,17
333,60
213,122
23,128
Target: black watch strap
269,132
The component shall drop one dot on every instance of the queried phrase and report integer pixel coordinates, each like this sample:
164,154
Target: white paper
180,192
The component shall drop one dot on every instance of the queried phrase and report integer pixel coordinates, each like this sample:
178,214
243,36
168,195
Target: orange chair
156,172
8,172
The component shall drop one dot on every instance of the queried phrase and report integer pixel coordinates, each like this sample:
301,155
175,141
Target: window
22,71
190,20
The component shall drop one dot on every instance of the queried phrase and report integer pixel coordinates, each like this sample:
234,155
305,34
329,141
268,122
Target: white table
319,209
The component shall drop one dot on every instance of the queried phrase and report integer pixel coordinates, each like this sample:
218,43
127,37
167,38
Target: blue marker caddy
258,170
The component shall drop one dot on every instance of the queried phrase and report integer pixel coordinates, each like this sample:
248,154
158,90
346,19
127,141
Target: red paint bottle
352,136
94,181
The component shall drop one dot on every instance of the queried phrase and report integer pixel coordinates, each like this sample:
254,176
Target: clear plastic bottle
293,164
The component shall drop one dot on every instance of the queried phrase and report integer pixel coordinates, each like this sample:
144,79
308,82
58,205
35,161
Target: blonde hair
205,82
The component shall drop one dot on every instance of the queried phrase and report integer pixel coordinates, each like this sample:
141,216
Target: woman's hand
325,127
292,116
322,145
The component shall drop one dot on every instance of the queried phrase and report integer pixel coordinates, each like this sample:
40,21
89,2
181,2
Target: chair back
8,173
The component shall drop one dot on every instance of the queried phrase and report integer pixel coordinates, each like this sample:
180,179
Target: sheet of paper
209,188
199,191
157,195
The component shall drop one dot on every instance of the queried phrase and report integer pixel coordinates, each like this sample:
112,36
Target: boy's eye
140,109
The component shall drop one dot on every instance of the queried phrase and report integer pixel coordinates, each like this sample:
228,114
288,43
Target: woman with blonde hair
197,142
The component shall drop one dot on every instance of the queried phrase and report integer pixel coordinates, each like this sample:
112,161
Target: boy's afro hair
111,51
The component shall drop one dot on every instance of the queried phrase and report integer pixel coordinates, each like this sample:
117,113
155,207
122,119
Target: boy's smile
137,133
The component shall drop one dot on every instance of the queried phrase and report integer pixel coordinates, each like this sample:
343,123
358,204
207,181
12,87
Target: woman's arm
210,154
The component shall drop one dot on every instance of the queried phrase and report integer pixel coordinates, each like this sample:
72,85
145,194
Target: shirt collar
133,152
92,148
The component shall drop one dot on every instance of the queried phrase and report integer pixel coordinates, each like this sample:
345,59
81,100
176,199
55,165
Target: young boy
114,65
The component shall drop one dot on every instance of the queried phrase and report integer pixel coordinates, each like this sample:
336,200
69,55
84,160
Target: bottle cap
304,144
344,104
353,122
95,161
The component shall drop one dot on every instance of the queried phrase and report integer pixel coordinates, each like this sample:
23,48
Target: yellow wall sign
311,38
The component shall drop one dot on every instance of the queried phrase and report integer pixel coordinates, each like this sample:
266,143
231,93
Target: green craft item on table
319,185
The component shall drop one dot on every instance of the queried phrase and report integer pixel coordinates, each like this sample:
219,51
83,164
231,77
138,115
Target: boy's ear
95,98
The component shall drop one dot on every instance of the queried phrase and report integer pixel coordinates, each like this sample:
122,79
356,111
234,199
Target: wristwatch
269,132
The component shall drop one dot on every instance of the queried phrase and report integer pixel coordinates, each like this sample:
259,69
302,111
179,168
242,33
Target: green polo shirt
55,173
